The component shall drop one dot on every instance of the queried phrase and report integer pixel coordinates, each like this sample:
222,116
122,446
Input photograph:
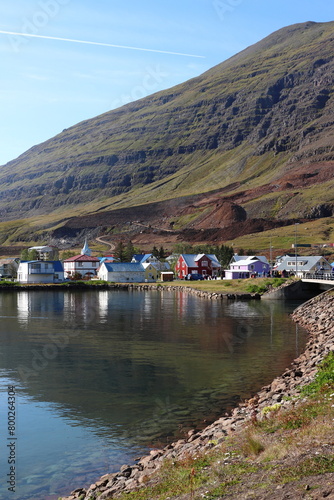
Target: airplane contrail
100,44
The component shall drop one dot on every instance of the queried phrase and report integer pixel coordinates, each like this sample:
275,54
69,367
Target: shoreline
313,316
129,287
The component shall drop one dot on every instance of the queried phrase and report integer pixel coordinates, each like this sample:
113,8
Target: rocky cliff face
249,122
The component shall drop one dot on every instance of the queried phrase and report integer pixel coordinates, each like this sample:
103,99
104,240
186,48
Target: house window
299,263
35,266
80,264
204,263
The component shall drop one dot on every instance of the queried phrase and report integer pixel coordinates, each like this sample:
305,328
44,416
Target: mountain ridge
259,123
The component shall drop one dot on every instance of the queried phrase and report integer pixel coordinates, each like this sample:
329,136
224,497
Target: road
104,242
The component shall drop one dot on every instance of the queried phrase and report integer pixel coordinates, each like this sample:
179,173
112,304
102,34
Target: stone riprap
316,316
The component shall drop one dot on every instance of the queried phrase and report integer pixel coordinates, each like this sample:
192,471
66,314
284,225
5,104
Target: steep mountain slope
256,130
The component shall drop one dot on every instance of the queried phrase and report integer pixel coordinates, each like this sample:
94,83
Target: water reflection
127,369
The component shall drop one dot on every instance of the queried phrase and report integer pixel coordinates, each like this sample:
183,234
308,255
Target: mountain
251,138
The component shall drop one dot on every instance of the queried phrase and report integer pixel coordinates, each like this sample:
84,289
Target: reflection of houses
38,271
206,265
8,267
247,266
304,265
127,272
33,306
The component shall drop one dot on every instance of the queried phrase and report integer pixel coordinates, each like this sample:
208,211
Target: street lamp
270,258
296,224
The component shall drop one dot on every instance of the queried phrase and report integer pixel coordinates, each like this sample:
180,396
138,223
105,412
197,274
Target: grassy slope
250,73
288,449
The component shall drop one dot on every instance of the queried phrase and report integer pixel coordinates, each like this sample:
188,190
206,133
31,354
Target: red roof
82,258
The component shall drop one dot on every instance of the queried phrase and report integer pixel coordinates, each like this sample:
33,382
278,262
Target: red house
203,264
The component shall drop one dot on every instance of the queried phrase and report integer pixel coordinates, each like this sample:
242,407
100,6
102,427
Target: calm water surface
100,376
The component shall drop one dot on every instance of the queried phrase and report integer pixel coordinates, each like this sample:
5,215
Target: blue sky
49,84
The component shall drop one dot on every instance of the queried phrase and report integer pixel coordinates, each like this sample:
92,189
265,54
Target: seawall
316,316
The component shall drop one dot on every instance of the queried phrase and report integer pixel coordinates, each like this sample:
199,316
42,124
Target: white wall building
39,271
127,272
84,265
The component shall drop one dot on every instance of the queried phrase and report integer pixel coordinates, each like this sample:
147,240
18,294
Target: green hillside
256,130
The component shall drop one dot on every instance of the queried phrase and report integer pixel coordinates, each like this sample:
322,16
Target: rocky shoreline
129,287
314,316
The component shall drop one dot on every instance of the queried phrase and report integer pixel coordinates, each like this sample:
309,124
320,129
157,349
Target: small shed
167,276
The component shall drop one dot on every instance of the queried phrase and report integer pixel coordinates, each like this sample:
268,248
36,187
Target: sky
64,61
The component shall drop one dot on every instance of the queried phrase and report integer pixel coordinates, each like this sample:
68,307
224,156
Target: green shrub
324,379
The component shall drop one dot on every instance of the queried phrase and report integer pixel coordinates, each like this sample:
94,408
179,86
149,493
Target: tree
129,251
54,255
33,255
66,254
25,254
225,254
162,253
12,270
29,254
120,253
155,252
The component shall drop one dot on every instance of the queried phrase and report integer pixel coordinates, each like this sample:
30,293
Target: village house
303,265
236,258
45,252
127,272
38,271
9,267
245,267
82,266
202,264
150,260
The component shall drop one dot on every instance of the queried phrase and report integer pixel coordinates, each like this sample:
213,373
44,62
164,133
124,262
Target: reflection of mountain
129,361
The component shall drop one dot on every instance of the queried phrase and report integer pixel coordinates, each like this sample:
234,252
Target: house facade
203,264
127,272
247,267
81,266
9,267
45,252
40,271
303,265
147,260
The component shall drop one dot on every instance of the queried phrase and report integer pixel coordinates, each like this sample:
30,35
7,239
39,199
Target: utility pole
296,224
271,258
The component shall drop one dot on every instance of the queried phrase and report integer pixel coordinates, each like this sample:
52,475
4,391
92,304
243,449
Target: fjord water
101,376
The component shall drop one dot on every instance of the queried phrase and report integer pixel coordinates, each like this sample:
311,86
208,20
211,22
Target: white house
84,265
236,258
40,271
127,272
304,265
45,252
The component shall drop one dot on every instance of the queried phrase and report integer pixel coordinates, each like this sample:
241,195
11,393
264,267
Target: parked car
194,277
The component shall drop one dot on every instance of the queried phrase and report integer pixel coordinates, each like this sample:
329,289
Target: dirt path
104,242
